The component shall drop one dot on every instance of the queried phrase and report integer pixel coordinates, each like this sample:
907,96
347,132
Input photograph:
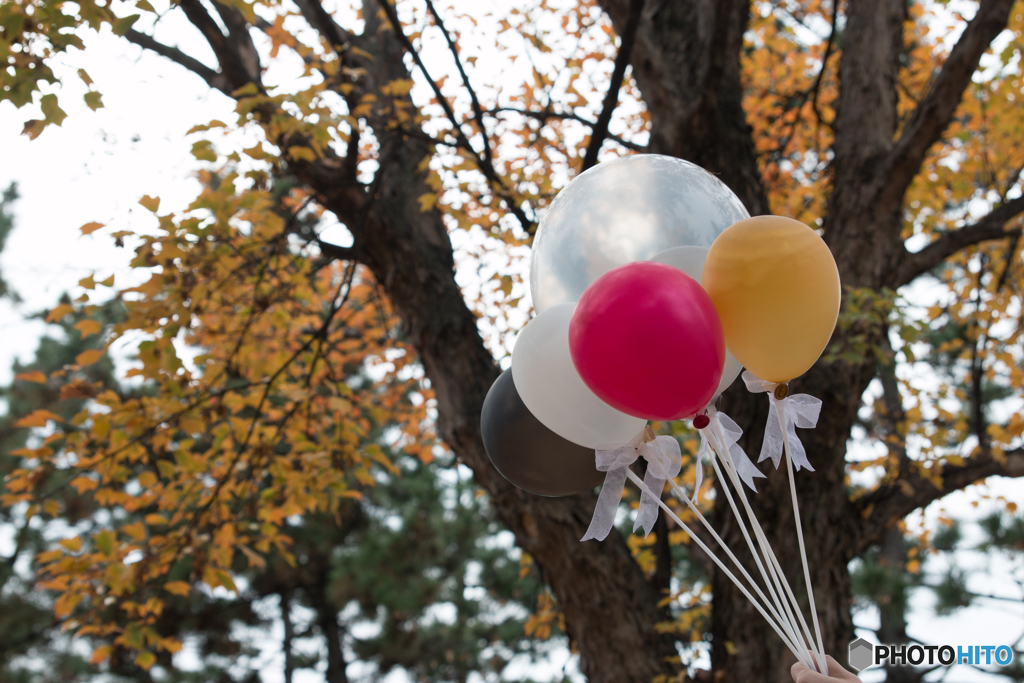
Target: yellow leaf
38,418
90,228
72,544
302,154
136,530
34,376
145,659
428,201
178,588
150,203
89,357
88,327
104,541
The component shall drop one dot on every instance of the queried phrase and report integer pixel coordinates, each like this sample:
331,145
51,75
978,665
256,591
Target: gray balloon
527,453
622,211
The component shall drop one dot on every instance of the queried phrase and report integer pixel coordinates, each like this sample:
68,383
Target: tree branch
991,227
935,111
321,20
570,116
611,99
498,184
234,63
213,78
894,501
478,112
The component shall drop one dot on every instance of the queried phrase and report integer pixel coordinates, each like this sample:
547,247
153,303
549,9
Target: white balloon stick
780,408
766,547
721,565
791,641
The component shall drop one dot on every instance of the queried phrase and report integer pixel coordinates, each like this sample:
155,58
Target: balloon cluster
653,287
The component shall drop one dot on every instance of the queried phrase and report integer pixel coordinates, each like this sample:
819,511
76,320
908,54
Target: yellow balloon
776,288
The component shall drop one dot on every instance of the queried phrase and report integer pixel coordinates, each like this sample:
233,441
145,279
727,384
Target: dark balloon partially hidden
527,453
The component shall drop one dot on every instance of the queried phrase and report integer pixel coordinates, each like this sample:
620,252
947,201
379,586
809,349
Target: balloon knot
781,391
701,421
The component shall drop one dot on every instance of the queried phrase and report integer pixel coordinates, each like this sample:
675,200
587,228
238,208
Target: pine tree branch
991,227
611,99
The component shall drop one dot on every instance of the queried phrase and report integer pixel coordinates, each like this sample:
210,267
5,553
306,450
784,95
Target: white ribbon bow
797,410
663,462
746,470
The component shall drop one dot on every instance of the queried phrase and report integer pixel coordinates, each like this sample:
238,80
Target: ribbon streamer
664,460
798,410
746,470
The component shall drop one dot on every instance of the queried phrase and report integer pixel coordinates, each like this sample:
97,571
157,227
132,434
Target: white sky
98,164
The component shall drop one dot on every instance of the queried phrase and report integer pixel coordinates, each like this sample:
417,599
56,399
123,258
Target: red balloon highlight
646,339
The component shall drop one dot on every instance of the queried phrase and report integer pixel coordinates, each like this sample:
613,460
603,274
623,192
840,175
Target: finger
801,674
836,670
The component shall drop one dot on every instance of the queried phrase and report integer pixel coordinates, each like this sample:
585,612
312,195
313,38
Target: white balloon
690,260
549,385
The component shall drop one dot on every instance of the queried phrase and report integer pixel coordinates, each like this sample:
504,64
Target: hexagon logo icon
862,654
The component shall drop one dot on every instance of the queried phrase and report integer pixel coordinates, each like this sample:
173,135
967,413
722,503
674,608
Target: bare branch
485,166
933,114
542,116
991,227
478,112
611,99
213,78
892,502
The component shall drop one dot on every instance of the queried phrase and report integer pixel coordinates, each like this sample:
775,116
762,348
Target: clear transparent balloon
622,211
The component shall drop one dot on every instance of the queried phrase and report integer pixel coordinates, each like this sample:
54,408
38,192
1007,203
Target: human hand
801,674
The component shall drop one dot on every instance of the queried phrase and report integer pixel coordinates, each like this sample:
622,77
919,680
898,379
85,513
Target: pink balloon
647,340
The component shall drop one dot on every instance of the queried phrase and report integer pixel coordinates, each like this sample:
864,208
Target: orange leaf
34,376
38,418
83,484
89,357
90,228
101,654
88,327
59,312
